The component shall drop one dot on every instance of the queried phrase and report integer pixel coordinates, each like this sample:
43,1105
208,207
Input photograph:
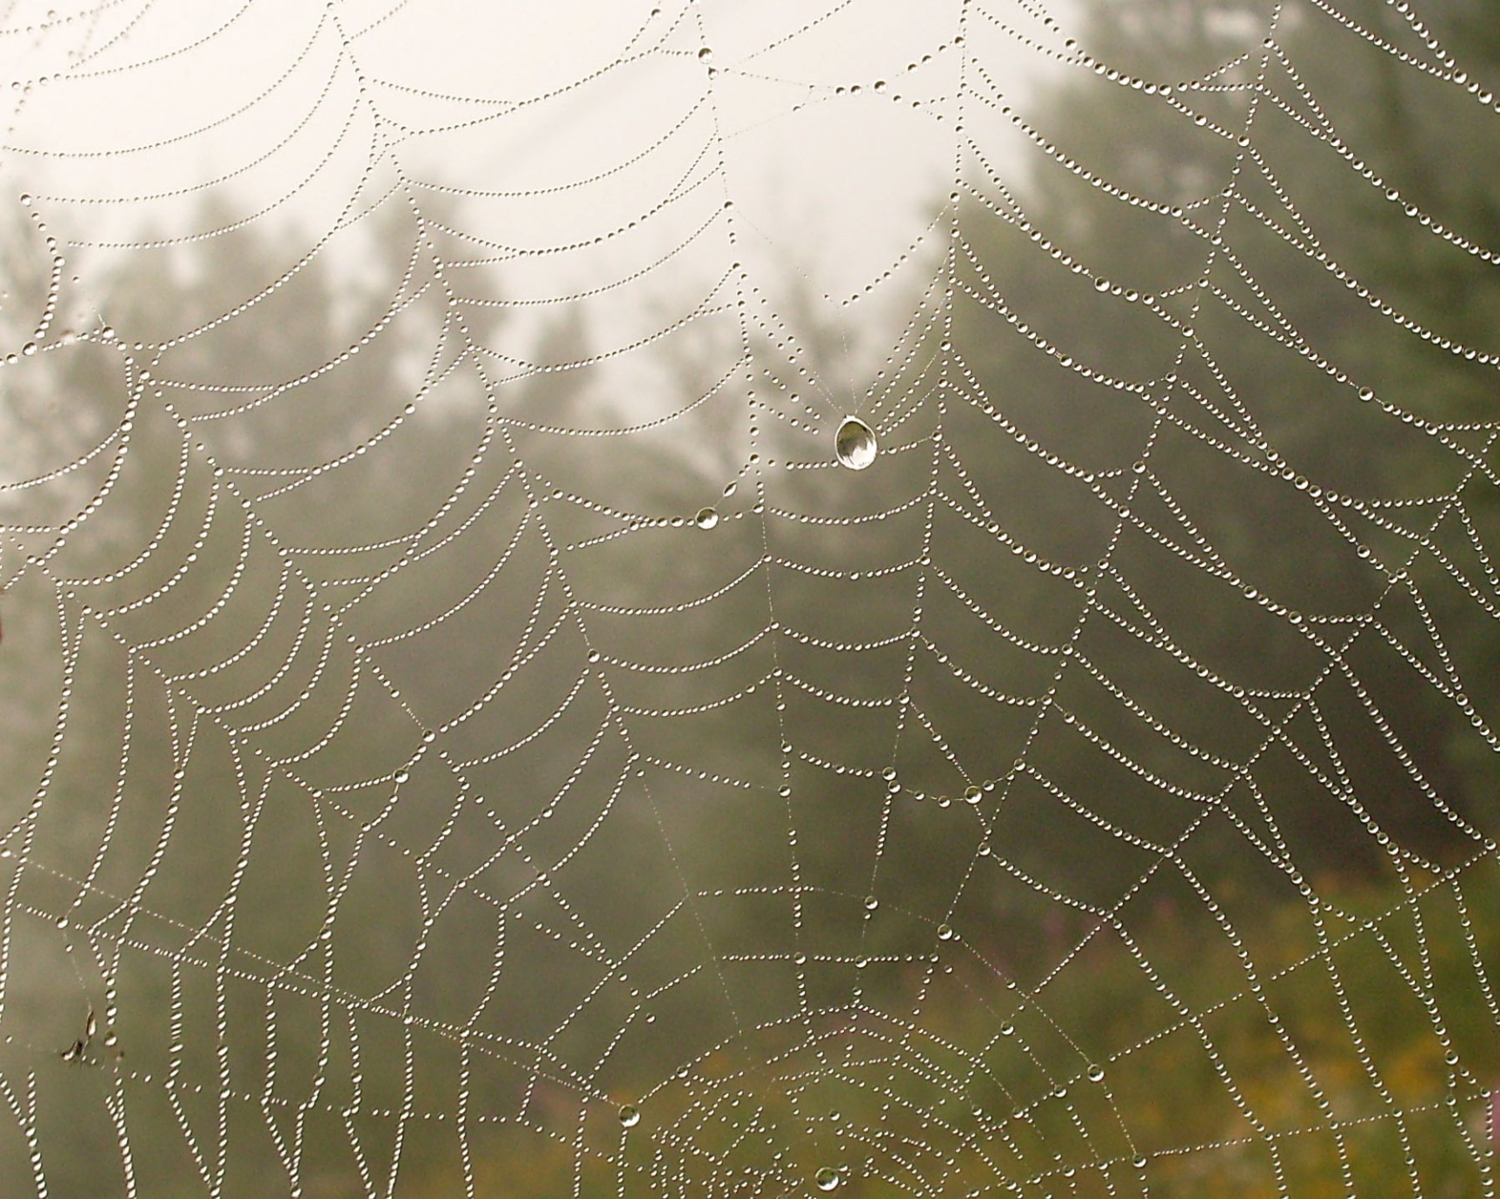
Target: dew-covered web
749,598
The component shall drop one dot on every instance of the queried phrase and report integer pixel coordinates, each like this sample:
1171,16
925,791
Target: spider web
727,599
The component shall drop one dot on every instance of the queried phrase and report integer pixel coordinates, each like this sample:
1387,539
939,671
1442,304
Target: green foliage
1171,869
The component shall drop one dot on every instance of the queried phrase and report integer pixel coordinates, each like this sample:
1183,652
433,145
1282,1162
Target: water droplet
629,1116
855,444
705,55
889,774
827,1179
972,794
707,518
871,903
1096,1073
945,933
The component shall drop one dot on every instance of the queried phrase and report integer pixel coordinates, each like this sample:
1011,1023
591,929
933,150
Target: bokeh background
463,731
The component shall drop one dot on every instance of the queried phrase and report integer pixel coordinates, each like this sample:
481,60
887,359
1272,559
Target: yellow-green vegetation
1169,871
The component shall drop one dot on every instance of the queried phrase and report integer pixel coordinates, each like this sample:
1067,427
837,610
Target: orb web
716,599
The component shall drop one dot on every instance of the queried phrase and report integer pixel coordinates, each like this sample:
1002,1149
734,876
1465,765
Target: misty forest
455,744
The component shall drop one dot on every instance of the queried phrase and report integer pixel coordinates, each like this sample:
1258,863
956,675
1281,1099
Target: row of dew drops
828,1178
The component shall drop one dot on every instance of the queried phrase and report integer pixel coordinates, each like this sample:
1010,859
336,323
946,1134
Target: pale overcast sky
561,120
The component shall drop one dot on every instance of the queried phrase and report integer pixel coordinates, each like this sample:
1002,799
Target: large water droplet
629,1117
707,518
827,1179
855,444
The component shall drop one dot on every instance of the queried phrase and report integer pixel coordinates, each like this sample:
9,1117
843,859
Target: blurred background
469,724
